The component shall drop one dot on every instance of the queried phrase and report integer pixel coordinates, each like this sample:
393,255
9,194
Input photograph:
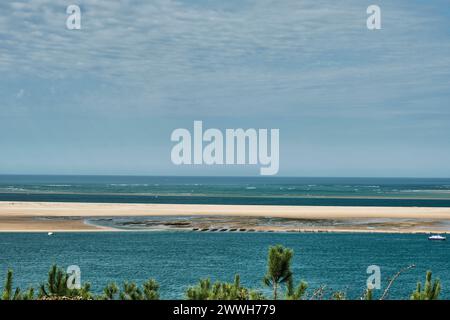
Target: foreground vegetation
279,278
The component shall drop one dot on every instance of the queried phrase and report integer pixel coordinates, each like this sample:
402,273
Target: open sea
179,259
229,190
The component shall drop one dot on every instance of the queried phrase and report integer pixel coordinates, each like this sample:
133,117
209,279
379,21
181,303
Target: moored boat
437,237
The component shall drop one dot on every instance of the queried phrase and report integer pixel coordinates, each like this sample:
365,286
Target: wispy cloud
301,57
106,97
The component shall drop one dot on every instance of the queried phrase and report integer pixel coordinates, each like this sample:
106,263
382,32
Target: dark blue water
229,190
178,259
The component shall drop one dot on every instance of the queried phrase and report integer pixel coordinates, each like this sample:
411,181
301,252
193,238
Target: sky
348,101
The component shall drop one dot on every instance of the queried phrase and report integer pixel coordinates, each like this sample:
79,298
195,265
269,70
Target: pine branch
391,282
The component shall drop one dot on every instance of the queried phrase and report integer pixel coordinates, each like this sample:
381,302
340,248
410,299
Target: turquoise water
229,190
178,259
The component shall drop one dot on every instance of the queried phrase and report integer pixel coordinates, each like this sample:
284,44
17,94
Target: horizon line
216,176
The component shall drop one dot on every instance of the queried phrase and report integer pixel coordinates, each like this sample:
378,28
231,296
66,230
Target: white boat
437,237
50,233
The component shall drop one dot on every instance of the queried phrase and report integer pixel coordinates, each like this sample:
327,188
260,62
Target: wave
128,185
58,185
13,189
426,191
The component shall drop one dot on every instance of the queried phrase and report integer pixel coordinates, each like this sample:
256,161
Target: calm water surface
178,259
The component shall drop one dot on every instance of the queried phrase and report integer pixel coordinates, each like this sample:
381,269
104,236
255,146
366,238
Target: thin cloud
304,57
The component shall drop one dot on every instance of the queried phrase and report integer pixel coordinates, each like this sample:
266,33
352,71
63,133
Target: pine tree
339,295
431,289
229,291
219,290
110,292
56,283
256,295
57,287
7,291
296,293
279,268
201,291
368,294
151,290
131,292
28,295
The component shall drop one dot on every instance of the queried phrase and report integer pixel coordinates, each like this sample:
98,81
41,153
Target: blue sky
104,99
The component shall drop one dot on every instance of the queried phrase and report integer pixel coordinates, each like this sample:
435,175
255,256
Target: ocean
229,190
179,259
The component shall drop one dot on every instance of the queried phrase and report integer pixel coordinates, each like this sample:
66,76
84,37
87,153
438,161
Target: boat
50,233
437,237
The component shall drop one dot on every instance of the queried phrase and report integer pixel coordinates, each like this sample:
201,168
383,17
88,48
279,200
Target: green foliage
201,291
56,286
28,295
110,292
256,295
278,273
220,291
131,291
278,268
8,293
431,290
338,295
229,291
56,283
368,294
296,293
151,290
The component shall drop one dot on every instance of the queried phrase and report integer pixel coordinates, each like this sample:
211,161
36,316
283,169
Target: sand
43,216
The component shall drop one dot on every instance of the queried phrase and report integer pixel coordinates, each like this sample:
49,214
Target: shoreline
425,233
71,217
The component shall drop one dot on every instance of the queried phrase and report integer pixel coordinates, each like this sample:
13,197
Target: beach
58,216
